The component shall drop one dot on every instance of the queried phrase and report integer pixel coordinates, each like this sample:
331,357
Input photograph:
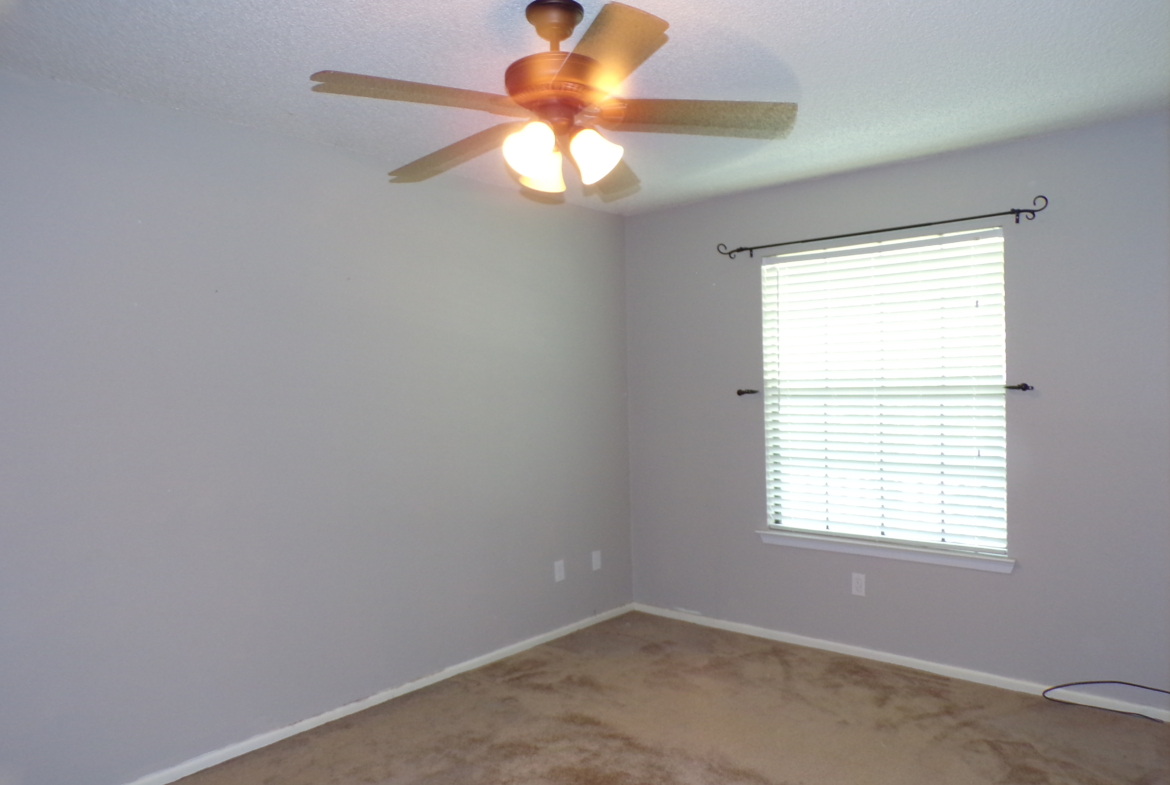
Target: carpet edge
214,757
942,669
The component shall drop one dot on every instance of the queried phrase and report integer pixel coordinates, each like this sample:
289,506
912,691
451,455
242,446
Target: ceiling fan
565,97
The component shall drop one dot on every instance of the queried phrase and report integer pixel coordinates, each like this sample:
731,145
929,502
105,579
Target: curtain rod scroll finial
1031,214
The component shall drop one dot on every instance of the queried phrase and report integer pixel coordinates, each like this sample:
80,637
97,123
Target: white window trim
901,551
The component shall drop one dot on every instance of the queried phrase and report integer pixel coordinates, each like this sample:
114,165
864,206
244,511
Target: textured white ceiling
876,80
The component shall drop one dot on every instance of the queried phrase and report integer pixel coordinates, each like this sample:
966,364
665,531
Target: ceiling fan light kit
565,95
533,153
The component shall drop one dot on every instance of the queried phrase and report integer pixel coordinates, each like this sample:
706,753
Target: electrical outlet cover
859,584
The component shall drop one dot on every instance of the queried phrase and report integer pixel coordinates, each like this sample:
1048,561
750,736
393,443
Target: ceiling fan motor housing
555,86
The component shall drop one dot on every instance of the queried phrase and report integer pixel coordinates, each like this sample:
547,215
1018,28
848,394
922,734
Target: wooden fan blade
618,184
343,83
621,38
746,119
454,154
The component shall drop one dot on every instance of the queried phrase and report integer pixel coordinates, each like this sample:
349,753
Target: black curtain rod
1029,214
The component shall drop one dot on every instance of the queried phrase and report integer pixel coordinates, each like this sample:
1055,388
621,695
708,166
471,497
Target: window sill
968,561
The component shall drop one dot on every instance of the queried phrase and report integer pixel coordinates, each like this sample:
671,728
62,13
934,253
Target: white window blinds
884,391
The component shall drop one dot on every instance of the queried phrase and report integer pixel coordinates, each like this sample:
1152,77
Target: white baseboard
214,757
209,759
1017,685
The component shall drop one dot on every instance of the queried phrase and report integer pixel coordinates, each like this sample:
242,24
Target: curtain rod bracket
1029,213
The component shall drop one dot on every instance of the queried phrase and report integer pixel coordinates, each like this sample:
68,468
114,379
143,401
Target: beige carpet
642,700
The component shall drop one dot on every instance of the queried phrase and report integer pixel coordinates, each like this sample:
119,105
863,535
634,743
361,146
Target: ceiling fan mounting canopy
554,20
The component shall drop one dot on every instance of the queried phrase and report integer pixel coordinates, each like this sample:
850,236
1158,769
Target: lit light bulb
551,182
595,155
532,154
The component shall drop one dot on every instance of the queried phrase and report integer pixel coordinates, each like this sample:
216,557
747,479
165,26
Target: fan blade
746,119
618,184
343,83
454,154
621,38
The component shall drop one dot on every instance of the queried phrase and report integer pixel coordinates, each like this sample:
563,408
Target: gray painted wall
275,435
1087,283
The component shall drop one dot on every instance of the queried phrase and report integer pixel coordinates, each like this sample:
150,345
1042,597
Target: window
884,393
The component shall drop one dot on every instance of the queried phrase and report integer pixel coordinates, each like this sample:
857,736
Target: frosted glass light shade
532,154
595,155
550,181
